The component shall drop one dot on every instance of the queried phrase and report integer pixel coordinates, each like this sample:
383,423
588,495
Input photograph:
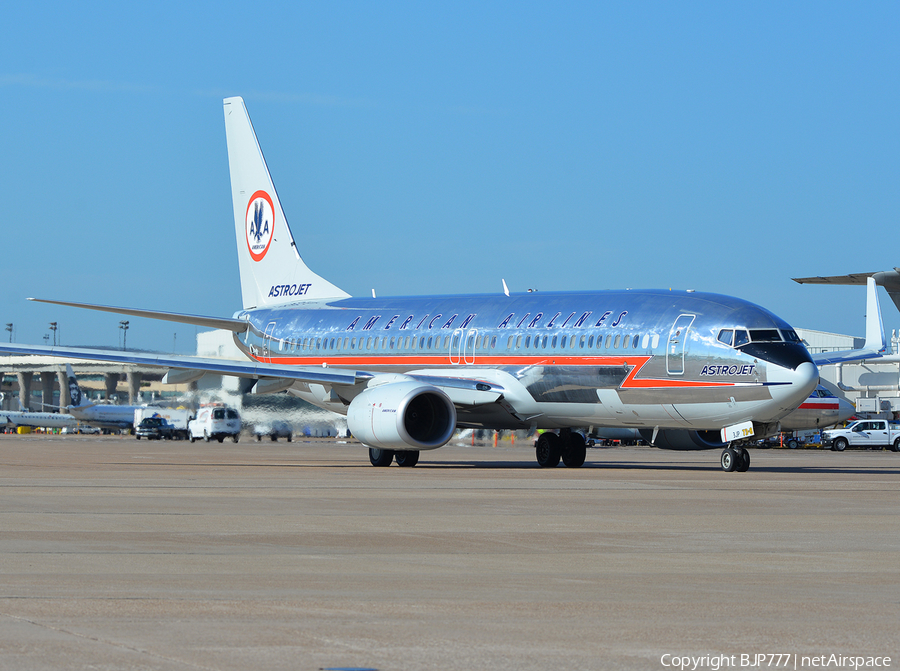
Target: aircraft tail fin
74,398
272,272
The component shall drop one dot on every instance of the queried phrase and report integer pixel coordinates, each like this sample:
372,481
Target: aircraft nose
796,384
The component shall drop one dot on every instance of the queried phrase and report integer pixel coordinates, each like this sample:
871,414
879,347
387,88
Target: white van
214,422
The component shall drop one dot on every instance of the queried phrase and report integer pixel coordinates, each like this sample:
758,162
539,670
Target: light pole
53,328
124,326
9,327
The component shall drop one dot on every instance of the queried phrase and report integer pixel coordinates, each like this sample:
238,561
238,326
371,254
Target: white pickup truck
863,433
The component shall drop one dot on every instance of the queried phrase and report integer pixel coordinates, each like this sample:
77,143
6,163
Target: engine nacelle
402,416
684,439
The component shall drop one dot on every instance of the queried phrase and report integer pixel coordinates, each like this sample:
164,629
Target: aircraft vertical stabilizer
272,272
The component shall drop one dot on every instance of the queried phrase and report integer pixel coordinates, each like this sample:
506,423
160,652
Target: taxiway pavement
117,553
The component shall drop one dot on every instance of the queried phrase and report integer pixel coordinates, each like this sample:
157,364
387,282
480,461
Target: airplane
102,415
45,420
889,279
692,370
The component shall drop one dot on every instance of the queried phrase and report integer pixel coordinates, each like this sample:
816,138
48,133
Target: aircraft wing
874,346
462,391
889,279
251,369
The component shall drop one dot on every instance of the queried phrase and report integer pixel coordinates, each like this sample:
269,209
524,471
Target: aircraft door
468,353
456,347
267,342
675,348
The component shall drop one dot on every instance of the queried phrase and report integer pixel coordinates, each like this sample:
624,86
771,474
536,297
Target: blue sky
436,148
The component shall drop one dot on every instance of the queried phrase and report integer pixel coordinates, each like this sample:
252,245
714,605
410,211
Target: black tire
235,437
744,463
137,437
274,437
290,437
793,443
380,458
206,436
192,439
221,439
574,453
258,437
840,444
547,450
728,460
896,446
407,458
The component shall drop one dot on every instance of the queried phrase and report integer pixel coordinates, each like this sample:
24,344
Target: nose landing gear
735,459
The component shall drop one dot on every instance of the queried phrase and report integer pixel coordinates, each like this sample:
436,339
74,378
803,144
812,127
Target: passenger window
493,342
518,341
429,342
446,342
634,343
616,342
581,342
353,343
406,343
608,340
478,342
553,343
655,340
645,341
393,340
369,343
590,342
527,342
562,342
626,341
726,336
509,342
741,337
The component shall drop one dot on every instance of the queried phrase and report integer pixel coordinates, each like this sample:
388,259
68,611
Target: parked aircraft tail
74,398
272,272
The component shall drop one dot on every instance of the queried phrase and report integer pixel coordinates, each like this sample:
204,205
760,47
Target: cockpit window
765,335
824,393
790,335
741,337
726,336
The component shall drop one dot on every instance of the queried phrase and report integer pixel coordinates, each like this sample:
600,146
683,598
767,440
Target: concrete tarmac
124,554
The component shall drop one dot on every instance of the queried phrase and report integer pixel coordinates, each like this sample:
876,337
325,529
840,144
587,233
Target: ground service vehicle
864,433
177,417
275,429
215,422
154,428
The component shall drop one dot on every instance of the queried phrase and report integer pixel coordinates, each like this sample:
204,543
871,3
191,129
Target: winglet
875,340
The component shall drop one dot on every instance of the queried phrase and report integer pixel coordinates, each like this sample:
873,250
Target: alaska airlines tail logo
260,224
74,393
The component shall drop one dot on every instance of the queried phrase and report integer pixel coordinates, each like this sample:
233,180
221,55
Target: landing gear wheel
744,460
729,460
407,458
547,450
573,454
840,444
380,457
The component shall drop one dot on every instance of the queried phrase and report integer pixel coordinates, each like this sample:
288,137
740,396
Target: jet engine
683,439
402,416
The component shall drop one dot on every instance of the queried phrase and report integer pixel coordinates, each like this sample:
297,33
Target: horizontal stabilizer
227,323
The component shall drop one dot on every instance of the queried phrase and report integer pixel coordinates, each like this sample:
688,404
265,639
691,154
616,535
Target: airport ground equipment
864,433
177,418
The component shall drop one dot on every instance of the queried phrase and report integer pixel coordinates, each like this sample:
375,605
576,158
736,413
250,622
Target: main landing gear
404,458
735,459
568,446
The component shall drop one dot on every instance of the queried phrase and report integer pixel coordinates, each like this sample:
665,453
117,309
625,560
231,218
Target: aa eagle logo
260,224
